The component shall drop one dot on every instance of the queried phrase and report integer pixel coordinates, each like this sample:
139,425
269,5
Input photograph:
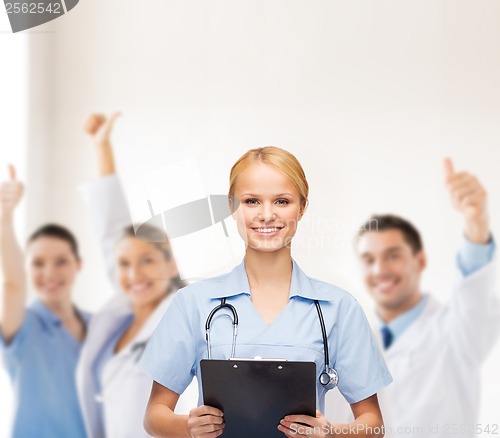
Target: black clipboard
256,394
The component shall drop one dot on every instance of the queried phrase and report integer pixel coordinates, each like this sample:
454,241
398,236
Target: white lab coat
435,364
125,388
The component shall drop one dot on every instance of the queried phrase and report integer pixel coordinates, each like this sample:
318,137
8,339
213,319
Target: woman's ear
303,207
174,270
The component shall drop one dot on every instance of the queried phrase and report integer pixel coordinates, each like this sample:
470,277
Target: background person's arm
105,199
469,197
474,319
12,260
99,128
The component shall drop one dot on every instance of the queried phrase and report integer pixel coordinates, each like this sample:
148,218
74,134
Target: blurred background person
113,391
40,344
433,351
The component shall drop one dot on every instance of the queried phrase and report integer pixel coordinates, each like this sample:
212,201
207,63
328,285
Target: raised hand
469,197
11,192
100,127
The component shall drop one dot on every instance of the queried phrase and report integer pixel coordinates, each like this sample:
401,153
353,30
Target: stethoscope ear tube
329,378
208,323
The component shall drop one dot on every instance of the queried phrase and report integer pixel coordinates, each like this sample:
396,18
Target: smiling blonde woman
277,307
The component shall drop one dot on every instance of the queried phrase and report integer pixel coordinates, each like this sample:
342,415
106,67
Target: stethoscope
329,378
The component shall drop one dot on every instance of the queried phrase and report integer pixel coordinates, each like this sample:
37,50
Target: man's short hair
383,222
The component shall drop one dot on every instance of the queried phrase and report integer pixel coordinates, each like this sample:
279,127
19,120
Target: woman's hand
99,128
11,192
205,422
13,289
317,426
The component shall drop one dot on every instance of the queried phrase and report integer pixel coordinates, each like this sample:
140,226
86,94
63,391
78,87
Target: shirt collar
154,319
43,312
236,283
402,322
51,318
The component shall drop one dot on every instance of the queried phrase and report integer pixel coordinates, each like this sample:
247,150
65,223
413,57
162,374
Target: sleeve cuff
366,392
12,350
473,256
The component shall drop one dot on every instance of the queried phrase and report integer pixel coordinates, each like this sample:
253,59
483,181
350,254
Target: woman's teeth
267,230
139,288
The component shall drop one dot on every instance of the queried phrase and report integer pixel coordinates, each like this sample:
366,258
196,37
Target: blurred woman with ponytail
113,390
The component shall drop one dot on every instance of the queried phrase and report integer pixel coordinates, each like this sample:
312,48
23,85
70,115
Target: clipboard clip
270,359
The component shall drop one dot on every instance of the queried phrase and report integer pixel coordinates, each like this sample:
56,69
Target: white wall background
370,96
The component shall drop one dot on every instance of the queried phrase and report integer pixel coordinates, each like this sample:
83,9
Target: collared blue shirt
173,354
470,258
41,362
403,321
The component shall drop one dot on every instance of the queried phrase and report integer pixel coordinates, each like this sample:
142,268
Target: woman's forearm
161,422
105,159
11,254
13,283
367,425
99,127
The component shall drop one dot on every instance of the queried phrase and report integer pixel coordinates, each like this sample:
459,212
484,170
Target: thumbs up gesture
99,127
11,192
470,198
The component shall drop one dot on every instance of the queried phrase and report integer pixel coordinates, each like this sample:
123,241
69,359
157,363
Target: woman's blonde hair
280,159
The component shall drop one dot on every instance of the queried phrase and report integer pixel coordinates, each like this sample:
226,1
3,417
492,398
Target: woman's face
52,268
269,207
144,273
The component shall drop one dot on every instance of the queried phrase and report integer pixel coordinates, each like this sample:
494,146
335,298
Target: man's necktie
387,336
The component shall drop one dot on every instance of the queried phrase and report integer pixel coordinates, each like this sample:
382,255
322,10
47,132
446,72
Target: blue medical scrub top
173,354
41,362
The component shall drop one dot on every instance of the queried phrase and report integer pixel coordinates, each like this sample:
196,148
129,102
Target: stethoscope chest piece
329,378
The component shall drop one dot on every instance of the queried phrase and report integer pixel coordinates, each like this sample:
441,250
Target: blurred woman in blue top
275,300
40,344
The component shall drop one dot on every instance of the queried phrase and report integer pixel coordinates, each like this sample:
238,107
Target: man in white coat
433,351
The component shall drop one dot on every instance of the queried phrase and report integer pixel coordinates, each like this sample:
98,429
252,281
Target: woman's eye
123,264
251,201
61,262
282,201
147,261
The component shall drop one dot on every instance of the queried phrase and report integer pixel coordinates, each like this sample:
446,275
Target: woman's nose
266,213
49,270
134,273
